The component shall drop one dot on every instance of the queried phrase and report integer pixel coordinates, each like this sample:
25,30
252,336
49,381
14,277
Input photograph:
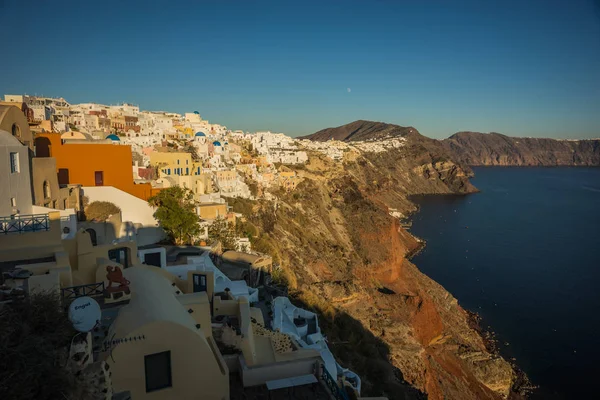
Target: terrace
20,224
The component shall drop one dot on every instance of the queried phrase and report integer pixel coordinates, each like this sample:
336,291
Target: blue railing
331,383
24,223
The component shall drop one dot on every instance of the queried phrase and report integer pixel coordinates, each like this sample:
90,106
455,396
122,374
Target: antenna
84,313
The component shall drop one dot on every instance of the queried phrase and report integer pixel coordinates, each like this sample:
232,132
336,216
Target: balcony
24,224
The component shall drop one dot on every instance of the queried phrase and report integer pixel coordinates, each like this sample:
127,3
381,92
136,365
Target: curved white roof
152,299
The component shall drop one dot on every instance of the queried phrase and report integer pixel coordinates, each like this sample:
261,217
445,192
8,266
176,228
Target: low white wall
261,374
136,214
132,208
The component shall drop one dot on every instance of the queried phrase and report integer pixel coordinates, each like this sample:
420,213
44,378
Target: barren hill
360,130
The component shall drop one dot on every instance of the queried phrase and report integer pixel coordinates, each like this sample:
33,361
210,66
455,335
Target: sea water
524,253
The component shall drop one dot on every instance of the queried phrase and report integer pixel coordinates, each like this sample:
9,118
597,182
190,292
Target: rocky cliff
473,148
344,256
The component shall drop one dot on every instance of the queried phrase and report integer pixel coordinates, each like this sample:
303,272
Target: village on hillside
78,220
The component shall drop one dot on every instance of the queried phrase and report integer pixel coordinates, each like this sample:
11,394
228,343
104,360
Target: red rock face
444,373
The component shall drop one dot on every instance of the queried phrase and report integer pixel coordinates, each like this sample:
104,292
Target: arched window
16,131
47,194
93,237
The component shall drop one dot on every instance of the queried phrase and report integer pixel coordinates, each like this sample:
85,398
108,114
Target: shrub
222,231
100,210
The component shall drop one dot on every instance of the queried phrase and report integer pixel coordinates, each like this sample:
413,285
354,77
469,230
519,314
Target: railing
24,223
331,383
73,292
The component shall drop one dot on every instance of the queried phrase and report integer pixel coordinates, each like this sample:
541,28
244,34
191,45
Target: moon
349,90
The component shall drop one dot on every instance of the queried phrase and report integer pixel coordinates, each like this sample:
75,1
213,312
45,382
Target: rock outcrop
494,149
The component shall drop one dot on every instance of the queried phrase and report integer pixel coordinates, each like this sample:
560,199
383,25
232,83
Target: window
152,259
13,202
16,131
93,237
177,162
46,190
120,255
63,176
14,163
158,371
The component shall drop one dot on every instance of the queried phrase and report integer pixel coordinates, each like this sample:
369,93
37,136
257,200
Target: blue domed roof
216,143
113,137
200,134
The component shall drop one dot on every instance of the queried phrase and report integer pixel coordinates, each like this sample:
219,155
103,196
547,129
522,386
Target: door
99,177
199,283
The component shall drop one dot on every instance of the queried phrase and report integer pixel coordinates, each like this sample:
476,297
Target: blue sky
523,68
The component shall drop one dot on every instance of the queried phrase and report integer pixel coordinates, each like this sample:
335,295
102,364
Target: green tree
100,210
222,231
176,213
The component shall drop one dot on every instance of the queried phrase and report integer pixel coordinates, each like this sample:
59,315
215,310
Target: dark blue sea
524,253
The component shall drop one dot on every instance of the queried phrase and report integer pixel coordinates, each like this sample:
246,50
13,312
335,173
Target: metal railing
73,292
332,385
24,223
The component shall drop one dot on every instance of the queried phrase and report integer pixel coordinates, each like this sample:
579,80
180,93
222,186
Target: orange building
91,164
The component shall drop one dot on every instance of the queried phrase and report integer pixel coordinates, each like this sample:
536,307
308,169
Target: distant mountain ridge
495,149
475,148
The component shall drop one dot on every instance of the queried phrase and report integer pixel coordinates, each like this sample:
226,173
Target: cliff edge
344,254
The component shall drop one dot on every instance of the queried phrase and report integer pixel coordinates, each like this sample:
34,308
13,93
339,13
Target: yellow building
198,184
210,211
226,176
178,169
171,357
175,163
289,180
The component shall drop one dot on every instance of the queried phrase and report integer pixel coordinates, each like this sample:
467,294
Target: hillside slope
494,149
344,256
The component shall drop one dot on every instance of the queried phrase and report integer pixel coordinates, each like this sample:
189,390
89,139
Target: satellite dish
84,313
